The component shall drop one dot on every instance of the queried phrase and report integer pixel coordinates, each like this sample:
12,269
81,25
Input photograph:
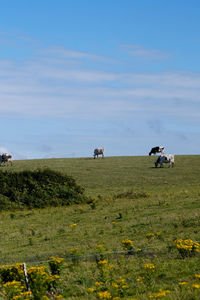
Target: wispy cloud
141,52
67,53
51,86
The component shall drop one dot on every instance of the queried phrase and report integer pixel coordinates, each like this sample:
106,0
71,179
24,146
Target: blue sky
75,75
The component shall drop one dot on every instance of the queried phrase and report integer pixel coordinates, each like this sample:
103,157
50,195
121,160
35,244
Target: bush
6,204
11,273
38,189
187,247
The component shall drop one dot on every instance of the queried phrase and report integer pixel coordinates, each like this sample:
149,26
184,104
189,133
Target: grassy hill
131,200
115,174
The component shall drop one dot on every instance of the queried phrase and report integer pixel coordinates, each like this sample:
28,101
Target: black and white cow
98,151
166,158
6,158
158,149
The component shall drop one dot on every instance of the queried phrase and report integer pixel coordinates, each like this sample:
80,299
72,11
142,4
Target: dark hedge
38,189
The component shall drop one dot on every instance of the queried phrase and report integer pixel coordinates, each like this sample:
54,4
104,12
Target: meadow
124,243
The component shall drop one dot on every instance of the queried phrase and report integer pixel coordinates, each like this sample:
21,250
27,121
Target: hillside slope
114,174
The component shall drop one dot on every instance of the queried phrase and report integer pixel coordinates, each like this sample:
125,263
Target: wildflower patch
187,247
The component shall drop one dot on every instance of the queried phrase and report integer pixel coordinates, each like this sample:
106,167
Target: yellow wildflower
158,233
121,280
183,283
186,247
72,225
149,235
101,247
160,294
98,283
125,286
149,266
73,250
104,295
13,283
90,290
139,279
103,262
56,259
196,286
127,244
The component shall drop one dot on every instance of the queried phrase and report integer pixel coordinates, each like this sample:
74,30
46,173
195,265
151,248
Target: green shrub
6,204
12,272
56,265
38,189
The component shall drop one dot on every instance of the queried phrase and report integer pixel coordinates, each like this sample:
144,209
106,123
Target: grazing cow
158,149
6,158
166,158
98,151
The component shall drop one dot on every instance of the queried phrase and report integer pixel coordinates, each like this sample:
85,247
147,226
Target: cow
6,158
166,158
98,151
158,149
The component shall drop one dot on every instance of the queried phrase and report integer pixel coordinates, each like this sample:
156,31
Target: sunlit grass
154,207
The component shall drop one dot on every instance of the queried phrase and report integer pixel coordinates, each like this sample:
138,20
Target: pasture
130,200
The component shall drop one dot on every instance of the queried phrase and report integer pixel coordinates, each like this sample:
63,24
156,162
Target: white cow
166,158
6,158
98,151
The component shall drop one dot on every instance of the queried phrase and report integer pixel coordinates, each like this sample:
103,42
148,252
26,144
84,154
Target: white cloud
181,79
63,52
145,53
51,86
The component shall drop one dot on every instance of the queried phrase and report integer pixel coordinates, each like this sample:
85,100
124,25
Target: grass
116,174
153,208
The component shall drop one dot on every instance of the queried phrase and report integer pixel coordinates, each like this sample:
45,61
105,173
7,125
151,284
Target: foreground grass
36,234
163,207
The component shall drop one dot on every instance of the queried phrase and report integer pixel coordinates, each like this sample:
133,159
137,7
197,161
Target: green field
116,174
132,200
